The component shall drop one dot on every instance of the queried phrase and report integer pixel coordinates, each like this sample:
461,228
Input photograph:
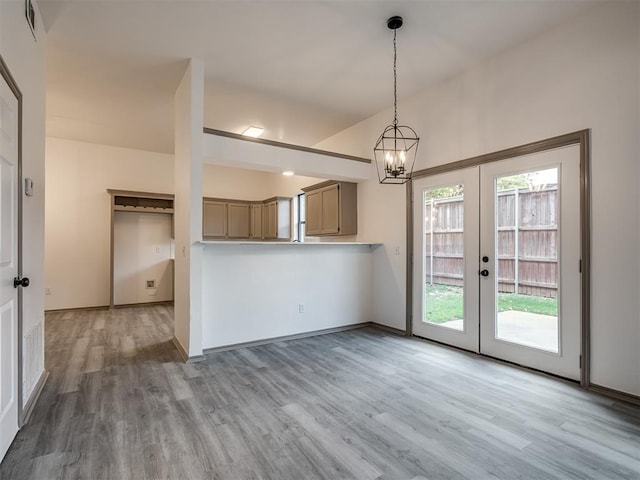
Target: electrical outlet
301,308
47,291
397,250
157,249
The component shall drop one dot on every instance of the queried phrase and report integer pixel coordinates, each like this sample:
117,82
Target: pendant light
395,150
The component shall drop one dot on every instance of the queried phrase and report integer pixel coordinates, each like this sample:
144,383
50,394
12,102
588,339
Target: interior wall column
189,124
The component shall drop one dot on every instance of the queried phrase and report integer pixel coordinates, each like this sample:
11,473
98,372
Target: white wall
142,252
243,109
252,292
188,125
26,61
78,214
239,153
583,74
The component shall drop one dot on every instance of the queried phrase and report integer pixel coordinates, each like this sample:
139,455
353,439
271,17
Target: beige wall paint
26,60
255,185
78,175
78,214
584,74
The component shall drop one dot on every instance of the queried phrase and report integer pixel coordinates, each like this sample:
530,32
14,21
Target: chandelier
395,150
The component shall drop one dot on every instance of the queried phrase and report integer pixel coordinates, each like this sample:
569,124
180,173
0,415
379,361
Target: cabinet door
313,218
238,220
256,220
214,219
270,217
330,209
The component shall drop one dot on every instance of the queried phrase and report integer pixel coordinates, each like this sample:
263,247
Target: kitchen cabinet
214,218
276,218
255,231
241,219
238,219
331,209
225,218
313,213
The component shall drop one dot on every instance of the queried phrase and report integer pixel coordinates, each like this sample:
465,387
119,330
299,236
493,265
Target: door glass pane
444,256
527,214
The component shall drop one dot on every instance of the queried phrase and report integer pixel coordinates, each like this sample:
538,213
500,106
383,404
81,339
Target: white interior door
8,267
530,238
496,265
445,252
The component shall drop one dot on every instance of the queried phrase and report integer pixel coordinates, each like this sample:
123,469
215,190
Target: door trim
581,138
409,280
13,85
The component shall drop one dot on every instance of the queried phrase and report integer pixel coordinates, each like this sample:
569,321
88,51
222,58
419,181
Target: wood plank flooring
360,404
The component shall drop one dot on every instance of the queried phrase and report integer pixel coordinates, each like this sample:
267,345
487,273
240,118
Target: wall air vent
30,13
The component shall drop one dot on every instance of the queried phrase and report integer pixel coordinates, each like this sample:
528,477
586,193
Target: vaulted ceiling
302,69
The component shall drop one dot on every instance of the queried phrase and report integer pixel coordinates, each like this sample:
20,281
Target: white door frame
8,78
581,138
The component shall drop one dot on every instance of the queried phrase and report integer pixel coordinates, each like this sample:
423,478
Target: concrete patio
525,328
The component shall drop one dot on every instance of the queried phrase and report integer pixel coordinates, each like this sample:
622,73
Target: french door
445,268
497,259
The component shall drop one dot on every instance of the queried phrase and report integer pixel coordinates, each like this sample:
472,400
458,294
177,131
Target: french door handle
484,273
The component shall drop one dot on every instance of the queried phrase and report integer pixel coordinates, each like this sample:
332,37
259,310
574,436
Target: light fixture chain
395,81
395,150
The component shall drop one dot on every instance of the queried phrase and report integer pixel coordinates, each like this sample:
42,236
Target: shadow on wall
388,294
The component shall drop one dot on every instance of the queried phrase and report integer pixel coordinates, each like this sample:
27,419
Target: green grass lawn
444,303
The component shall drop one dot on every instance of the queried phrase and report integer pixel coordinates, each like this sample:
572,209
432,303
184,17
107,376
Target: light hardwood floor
359,404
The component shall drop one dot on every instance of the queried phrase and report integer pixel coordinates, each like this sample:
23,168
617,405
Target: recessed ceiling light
253,132
288,173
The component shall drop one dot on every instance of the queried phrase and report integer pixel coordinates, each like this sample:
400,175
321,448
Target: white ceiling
302,69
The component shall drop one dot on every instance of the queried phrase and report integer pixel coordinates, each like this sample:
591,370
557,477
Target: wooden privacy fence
527,224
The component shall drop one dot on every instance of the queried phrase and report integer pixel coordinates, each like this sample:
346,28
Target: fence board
535,230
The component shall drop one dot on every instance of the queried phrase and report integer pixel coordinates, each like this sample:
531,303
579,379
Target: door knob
20,282
484,273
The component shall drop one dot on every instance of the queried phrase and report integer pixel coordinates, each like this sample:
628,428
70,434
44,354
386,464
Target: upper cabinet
331,209
276,216
240,219
214,218
256,221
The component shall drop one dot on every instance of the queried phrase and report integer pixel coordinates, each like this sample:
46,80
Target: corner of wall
189,124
